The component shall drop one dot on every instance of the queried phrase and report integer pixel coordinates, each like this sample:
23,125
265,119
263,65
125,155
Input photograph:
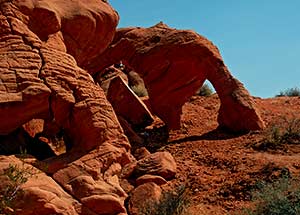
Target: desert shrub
139,90
295,91
205,90
276,198
17,176
287,131
173,202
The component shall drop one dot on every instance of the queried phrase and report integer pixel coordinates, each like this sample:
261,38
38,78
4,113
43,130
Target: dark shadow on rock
155,138
217,134
20,142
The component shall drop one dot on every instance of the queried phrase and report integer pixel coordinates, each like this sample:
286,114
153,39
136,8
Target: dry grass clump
287,131
173,202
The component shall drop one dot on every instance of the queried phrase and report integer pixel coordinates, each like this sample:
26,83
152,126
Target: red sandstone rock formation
81,24
174,64
127,105
40,79
93,179
159,163
150,178
144,197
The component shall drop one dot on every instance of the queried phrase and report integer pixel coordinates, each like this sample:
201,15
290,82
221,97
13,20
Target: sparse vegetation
205,90
173,202
287,131
291,92
16,176
277,198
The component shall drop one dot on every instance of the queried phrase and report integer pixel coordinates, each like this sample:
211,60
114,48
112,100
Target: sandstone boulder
174,64
34,127
136,83
159,163
150,178
127,104
144,198
134,79
141,153
93,179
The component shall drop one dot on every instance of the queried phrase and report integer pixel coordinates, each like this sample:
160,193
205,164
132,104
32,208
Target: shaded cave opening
36,138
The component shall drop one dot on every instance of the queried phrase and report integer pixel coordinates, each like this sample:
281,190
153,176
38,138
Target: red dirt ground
221,169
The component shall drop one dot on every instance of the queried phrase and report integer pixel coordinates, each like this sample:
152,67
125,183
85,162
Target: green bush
286,131
17,176
295,91
281,197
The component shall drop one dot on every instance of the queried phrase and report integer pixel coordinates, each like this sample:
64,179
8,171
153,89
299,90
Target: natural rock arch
174,64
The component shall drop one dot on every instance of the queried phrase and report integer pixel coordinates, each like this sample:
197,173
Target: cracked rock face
174,64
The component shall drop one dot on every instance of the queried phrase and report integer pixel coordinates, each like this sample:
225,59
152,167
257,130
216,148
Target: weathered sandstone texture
41,45
39,77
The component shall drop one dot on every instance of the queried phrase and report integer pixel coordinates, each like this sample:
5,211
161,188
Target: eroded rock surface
39,79
93,179
158,163
151,178
41,45
81,23
174,64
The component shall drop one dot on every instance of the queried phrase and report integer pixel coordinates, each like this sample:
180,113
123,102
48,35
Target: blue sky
258,39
